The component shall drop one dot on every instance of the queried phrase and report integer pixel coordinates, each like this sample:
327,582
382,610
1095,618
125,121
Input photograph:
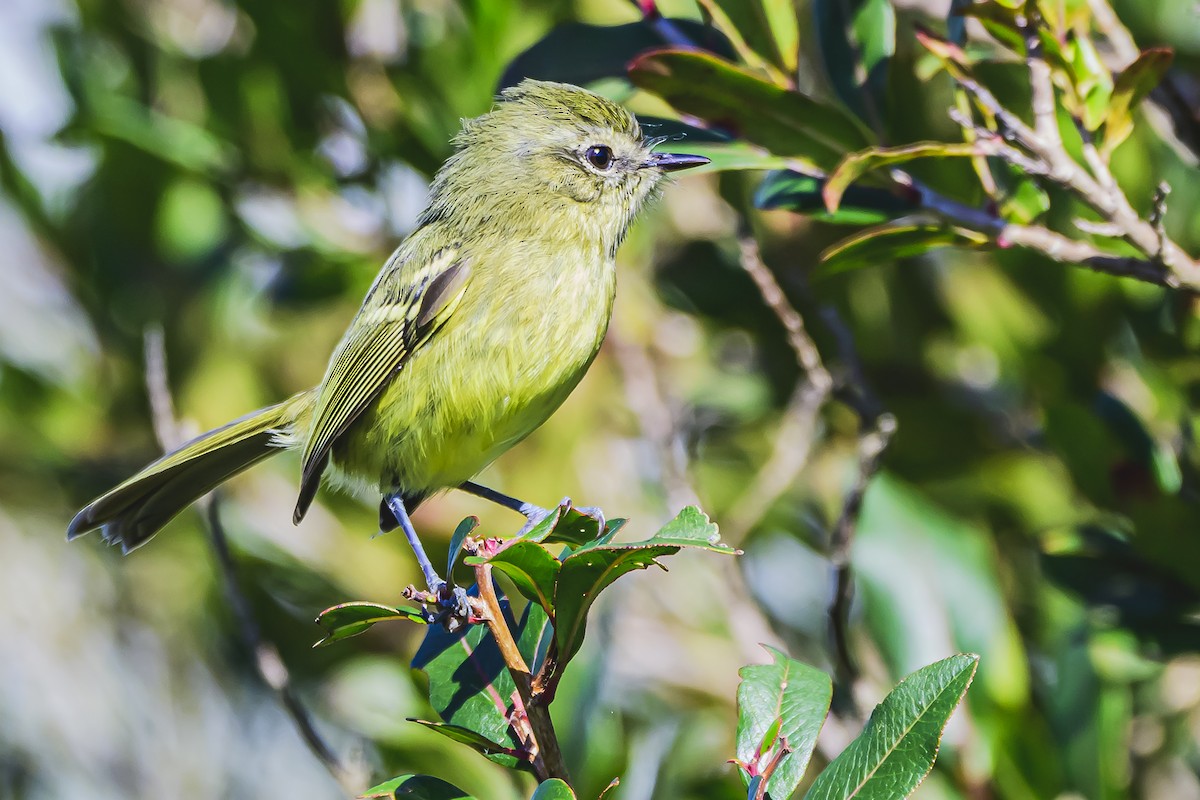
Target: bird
476,329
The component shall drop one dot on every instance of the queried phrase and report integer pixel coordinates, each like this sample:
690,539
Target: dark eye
599,156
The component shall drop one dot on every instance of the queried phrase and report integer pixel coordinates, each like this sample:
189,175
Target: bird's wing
397,317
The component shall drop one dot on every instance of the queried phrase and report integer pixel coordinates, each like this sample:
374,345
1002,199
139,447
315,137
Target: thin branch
548,760
267,660
1045,114
871,444
797,432
1047,242
1101,192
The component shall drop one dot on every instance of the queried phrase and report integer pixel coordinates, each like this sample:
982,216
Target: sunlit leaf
350,619
532,568
897,748
592,568
785,699
553,789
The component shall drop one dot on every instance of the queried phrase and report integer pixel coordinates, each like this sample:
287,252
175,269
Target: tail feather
137,509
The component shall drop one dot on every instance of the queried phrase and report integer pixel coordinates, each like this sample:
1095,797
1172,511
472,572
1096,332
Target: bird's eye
599,156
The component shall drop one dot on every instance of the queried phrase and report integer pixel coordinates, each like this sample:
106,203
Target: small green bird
476,329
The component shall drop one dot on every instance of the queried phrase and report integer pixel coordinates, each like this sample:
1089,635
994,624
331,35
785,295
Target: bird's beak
673,162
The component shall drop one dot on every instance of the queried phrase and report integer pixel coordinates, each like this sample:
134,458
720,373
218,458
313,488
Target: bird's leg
457,598
533,514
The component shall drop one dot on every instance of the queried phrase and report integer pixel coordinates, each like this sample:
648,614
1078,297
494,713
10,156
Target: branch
267,660
548,760
1100,192
797,432
871,444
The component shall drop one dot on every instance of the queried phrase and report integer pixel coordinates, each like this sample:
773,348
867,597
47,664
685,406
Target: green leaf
1131,87
580,53
504,756
350,619
897,748
856,38
804,194
893,241
530,566
563,525
728,157
418,787
456,542
855,165
730,98
592,568
772,33
469,685
553,789
793,699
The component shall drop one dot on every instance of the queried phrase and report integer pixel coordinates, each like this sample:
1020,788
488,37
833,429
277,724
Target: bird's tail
135,510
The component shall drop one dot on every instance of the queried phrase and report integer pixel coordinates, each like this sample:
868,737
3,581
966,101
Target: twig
267,660
1049,243
871,444
1100,192
797,432
1045,116
548,761
645,399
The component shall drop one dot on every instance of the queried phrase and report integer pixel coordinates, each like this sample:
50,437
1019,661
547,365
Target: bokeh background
232,174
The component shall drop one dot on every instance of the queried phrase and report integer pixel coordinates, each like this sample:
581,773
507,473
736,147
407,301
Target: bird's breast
521,339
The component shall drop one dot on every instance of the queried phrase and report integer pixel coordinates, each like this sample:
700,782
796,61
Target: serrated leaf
804,194
1131,87
592,568
855,165
469,685
504,756
456,542
350,619
417,787
530,566
897,748
729,98
580,53
793,699
553,789
893,241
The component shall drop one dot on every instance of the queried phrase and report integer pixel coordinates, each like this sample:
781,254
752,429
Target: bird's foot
446,605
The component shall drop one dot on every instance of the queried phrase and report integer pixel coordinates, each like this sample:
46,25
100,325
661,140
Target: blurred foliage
234,173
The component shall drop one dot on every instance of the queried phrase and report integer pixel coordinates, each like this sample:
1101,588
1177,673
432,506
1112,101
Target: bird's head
554,154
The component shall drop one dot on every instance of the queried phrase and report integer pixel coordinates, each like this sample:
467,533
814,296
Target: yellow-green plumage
475,331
